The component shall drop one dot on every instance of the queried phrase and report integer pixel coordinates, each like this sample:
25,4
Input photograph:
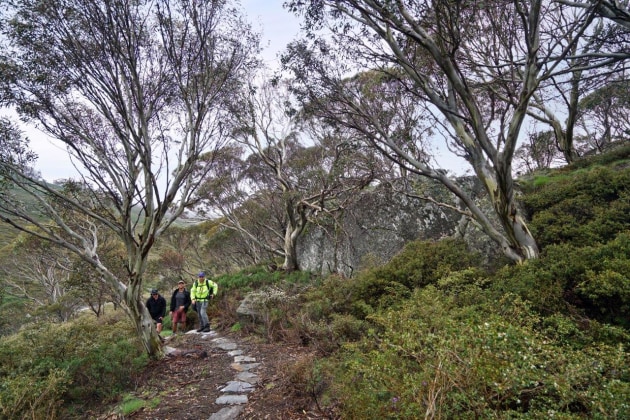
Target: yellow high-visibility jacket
203,291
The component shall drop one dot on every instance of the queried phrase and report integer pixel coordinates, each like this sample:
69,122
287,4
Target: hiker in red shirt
180,302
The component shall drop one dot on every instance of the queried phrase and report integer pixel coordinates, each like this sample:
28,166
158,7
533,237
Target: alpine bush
434,358
419,264
49,367
590,206
590,279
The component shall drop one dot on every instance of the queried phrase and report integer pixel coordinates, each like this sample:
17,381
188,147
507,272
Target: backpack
210,289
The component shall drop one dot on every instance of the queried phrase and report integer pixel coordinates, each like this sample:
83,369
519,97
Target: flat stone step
248,377
224,343
239,367
227,413
236,387
232,399
244,382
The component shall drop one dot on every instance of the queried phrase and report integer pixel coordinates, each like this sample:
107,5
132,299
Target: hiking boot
206,329
200,329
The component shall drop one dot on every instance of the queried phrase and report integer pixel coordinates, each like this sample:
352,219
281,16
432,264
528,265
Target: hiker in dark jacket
180,302
156,305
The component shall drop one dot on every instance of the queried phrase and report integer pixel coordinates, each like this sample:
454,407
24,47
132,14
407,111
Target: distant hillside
8,234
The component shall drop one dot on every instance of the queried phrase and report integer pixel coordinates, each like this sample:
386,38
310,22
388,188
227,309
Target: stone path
234,394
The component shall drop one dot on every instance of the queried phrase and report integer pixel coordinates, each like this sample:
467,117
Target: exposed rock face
378,226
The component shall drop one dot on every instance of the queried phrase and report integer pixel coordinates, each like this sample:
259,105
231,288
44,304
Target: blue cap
202,274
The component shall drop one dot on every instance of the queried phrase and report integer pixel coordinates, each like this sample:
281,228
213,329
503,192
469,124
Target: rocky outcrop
376,227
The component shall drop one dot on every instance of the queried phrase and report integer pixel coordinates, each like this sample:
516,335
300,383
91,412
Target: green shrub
585,208
256,277
618,155
433,357
591,279
465,286
340,304
36,397
419,264
422,263
346,328
543,281
333,295
71,363
564,330
605,284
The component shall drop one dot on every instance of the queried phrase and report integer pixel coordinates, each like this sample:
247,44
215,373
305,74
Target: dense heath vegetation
431,333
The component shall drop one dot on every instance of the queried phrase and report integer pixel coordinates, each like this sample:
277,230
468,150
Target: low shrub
256,277
433,358
336,310
542,282
35,397
421,263
276,309
48,365
604,285
591,279
588,207
327,336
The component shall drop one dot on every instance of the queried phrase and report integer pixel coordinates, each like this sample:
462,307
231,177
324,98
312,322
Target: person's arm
163,307
193,292
173,301
187,300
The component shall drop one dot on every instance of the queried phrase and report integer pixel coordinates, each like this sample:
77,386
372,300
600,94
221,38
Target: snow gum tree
457,75
293,170
136,91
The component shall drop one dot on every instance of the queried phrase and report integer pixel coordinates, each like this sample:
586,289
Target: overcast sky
278,28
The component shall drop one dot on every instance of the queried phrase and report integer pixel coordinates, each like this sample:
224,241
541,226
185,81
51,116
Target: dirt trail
191,382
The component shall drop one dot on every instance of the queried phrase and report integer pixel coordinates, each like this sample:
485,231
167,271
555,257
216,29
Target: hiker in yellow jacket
202,291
